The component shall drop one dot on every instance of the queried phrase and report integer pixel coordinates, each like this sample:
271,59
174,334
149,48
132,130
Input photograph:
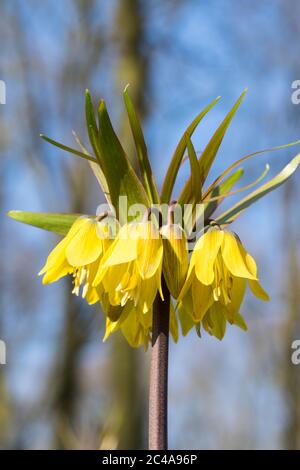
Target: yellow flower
130,271
215,286
136,326
79,254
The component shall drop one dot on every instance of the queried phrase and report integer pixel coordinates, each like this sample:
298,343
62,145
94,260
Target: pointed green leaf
174,166
209,207
209,153
69,149
243,188
243,159
220,190
141,149
233,212
58,223
92,125
196,180
120,175
95,169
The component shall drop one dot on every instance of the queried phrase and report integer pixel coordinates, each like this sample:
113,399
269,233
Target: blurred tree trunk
76,73
291,328
291,332
133,63
74,336
128,419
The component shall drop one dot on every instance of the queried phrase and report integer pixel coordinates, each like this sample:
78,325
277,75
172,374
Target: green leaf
243,159
141,149
174,166
243,188
220,190
209,153
196,179
69,149
119,173
95,169
92,125
209,207
233,212
58,223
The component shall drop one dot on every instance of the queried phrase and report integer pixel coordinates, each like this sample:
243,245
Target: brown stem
158,396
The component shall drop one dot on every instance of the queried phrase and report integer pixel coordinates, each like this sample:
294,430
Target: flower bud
175,257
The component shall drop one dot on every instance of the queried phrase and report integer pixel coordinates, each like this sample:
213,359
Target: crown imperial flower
79,254
138,272
146,265
216,281
131,268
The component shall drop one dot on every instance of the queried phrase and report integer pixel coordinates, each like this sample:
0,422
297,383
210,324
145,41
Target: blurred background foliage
62,387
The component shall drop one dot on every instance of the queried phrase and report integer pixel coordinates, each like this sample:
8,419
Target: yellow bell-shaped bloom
175,260
79,254
136,327
215,286
130,271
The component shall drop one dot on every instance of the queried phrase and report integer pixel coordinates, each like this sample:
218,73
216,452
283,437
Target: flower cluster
133,266
124,274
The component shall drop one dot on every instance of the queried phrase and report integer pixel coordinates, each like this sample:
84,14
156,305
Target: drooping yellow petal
147,292
114,325
173,323
240,322
158,282
56,257
188,282
217,320
205,253
146,320
132,330
185,319
92,296
149,250
85,246
123,249
258,291
202,300
251,264
237,294
234,256
58,271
